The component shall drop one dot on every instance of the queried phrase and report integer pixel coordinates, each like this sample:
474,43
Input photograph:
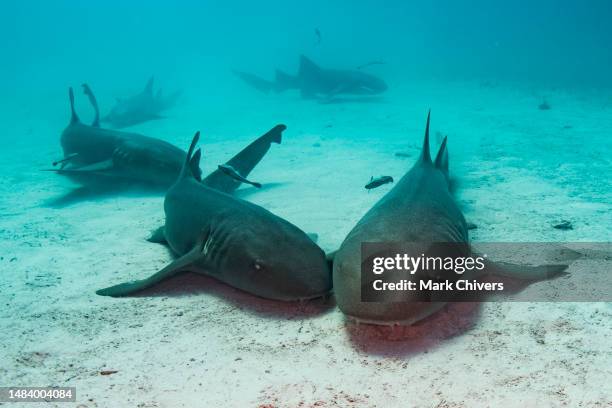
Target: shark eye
258,265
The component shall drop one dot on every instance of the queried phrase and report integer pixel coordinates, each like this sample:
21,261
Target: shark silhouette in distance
315,82
143,107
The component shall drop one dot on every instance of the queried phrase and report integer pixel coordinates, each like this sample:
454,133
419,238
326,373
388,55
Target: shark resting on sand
140,108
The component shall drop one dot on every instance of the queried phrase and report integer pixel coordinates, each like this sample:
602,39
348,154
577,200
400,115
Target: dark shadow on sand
95,192
100,191
192,284
453,320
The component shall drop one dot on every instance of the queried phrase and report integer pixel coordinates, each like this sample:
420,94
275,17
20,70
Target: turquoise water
487,70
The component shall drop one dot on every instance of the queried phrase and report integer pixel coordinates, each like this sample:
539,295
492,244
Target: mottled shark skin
140,108
315,82
234,241
94,155
419,210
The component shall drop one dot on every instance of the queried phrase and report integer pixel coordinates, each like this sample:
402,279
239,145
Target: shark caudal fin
187,169
425,154
244,161
74,118
92,99
262,85
441,161
275,135
284,81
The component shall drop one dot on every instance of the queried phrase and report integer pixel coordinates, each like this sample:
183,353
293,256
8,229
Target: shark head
276,260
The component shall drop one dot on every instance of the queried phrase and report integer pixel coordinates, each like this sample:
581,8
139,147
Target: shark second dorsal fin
186,170
92,99
425,155
74,117
149,87
441,161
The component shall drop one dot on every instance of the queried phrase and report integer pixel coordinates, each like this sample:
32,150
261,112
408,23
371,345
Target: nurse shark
94,155
314,81
419,211
141,107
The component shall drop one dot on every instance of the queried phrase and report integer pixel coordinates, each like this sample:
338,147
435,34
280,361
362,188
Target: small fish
230,171
402,154
564,225
379,181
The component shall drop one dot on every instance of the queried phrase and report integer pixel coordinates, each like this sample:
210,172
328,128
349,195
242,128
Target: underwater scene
306,204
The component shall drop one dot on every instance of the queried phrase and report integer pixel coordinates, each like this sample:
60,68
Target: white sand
199,343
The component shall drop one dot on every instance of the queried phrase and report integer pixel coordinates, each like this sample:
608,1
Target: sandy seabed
193,342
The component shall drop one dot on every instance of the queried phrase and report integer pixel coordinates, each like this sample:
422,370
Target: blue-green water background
557,42
482,66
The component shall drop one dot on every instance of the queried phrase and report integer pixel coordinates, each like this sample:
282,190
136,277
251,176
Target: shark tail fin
74,118
92,99
285,81
187,169
425,154
275,134
256,82
441,161
149,86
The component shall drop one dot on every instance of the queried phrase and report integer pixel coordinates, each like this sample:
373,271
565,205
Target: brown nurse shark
94,155
234,241
419,211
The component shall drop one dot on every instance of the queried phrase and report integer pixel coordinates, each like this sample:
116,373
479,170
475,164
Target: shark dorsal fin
186,169
74,117
92,99
425,155
307,66
441,161
194,165
149,87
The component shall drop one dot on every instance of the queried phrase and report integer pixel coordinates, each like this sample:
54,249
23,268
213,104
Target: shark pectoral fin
181,264
314,237
65,160
158,236
526,272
